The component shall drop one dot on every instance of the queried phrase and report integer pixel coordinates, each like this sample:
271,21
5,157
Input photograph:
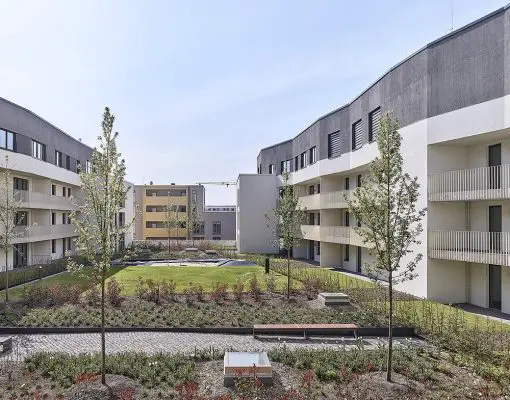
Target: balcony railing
336,234
44,232
45,200
483,183
336,199
311,232
470,246
310,202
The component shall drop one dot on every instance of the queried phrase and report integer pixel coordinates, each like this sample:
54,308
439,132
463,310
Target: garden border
400,331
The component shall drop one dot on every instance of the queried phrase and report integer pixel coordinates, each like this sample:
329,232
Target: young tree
285,222
195,222
104,192
172,220
9,205
386,204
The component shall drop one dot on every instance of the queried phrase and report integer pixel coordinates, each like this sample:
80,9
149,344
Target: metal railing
482,183
470,246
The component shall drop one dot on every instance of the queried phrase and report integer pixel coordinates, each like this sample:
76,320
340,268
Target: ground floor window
20,255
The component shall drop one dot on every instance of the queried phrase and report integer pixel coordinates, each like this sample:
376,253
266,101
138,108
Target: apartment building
45,162
452,98
152,201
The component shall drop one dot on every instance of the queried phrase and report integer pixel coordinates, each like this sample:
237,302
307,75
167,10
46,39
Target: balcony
45,201
37,233
470,246
165,200
485,183
311,232
336,199
310,202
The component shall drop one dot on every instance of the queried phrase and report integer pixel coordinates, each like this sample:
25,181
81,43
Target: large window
296,163
271,169
21,218
20,255
7,140
88,167
303,160
285,166
38,150
357,134
78,166
68,163
374,122
334,148
58,158
312,155
216,228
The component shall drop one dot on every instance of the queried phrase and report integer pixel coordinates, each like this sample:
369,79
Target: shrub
238,289
188,294
198,291
255,287
271,283
312,286
35,295
93,297
167,290
113,292
219,292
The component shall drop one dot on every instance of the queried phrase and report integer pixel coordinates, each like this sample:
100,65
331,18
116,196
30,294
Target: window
312,156
318,248
53,218
303,160
359,223
194,196
318,218
7,140
20,255
285,166
53,246
311,219
318,188
64,219
260,168
21,218
346,183
53,190
58,158
359,181
334,148
20,184
64,191
282,167
68,192
346,252
200,229
68,243
271,169
347,218
216,228
311,189
88,167
296,163
78,166
374,124
357,134
68,163
38,150
122,219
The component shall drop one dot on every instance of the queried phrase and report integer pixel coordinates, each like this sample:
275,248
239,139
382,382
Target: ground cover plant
422,373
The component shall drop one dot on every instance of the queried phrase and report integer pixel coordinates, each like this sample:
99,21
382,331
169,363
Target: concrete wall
446,281
257,196
228,224
331,255
479,287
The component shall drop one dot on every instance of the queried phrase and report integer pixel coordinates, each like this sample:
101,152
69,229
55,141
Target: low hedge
22,275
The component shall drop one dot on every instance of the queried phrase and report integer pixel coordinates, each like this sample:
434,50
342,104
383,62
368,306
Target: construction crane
227,184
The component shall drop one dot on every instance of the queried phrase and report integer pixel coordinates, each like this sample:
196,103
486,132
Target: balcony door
494,159
495,286
495,227
358,260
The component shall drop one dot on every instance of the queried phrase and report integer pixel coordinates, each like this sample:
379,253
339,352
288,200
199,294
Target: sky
198,87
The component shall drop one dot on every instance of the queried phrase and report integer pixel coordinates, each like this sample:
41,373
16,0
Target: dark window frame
370,124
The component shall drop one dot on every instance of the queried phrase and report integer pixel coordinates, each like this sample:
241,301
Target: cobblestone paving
170,342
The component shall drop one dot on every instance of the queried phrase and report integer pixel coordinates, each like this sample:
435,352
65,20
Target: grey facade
468,66
28,126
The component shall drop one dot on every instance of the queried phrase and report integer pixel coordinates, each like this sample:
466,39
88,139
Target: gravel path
171,342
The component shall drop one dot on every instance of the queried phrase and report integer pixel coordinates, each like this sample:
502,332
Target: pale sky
199,87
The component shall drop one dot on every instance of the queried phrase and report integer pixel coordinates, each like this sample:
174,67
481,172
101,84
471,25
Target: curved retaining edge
363,331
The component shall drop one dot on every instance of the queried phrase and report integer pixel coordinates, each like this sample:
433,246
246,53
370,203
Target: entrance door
495,166
495,286
311,248
495,227
358,260
20,255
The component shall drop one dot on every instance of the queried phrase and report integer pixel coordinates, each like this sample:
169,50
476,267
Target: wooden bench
305,329
5,343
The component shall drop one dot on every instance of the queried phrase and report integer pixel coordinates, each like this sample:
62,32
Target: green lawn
182,276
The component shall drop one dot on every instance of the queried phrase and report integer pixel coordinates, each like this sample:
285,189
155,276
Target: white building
44,162
452,99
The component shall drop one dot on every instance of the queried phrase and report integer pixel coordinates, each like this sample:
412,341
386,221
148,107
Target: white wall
446,281
257,196
331,255
479,288
505,290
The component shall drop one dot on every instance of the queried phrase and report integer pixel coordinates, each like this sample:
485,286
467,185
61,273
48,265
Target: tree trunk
168,244
288,274
390,328
103,339
6,276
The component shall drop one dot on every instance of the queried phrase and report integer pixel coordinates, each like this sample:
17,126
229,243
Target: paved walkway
171,342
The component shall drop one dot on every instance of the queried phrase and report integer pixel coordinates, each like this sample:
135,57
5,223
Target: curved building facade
452,101
44,162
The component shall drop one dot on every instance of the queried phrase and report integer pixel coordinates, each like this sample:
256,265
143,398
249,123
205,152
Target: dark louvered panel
375,121
357,135
334,148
